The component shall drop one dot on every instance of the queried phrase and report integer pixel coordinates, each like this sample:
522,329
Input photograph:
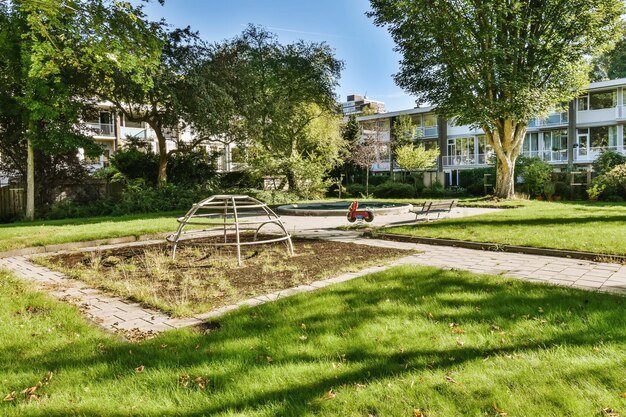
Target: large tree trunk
506,139
30,179
162,178
505,179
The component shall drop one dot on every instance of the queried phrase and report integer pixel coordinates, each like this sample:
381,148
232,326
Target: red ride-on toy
355,214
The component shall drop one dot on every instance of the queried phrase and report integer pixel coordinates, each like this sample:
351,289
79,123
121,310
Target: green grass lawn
49,232
584,226
447,343
40,233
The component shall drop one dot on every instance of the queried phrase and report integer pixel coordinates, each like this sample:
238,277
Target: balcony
100,129
555,119
555,156
590,154
480,159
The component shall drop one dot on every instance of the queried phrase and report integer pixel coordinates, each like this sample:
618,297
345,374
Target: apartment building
111,130
593,122
356,104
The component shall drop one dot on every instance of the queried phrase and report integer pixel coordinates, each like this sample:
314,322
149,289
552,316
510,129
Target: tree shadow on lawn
347,322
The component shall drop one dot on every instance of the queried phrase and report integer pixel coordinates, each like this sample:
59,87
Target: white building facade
591,123
112,131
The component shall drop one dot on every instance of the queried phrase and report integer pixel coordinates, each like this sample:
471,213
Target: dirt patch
204,277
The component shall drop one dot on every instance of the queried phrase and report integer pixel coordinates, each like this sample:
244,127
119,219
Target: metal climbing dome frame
230,215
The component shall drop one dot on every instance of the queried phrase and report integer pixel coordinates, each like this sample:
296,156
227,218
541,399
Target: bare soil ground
204,277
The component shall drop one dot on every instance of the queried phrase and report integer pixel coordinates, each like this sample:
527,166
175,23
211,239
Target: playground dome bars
227,216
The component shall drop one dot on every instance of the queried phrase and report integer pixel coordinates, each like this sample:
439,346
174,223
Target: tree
413,158
171,95
369,149
279,92
48,51
611,64
496,64
404,131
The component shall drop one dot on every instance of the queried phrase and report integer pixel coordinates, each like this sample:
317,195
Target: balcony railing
467,160
590,154
554,119
548,156
100,129
620,112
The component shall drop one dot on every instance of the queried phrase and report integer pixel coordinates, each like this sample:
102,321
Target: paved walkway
126,317
568,272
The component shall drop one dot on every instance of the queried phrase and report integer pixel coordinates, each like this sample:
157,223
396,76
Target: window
555,145
583,103
430,124
430,120
531,144
603,136
602,100
128,123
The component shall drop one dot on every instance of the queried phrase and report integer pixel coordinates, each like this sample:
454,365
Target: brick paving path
116,314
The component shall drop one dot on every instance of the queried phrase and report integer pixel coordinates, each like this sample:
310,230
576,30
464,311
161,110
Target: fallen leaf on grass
460,342
418,413
200,382
450,379
140,369
609,412
31,390
499,411
10,396
329,395
183,381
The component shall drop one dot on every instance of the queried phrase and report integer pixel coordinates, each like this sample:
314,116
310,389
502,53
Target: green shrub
608,160
436,190
563,190
610,184
134,164
549,189
473,180
240,179
137,198
191,169
355,190
392,189
272,197
376,180
186,169
535,174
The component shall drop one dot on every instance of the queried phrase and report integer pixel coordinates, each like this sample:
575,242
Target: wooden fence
12,201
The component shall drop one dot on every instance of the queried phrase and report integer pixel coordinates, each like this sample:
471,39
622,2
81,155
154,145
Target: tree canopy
48,50
280,92
496,64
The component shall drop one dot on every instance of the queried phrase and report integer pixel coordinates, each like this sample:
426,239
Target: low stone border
497,247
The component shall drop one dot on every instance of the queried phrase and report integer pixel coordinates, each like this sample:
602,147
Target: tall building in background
359,104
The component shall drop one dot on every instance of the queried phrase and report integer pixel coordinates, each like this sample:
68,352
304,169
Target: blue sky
366,50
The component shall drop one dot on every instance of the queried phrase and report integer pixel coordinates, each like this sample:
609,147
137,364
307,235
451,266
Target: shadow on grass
349,322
